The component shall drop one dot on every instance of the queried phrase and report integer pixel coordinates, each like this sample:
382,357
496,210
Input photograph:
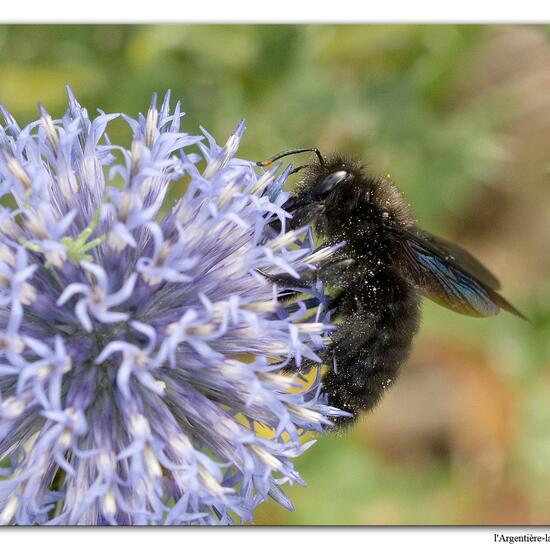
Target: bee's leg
306,280
328,272
305,366
327,354
292,308
331,271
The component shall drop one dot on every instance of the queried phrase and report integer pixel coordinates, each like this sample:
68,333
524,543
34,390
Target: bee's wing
462,258
440,277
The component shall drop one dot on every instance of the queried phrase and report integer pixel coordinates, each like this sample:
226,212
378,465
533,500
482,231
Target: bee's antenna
289,152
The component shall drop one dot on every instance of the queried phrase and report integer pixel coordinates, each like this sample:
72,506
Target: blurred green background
460,118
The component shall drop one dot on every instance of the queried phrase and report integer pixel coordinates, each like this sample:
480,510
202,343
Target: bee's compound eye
330,182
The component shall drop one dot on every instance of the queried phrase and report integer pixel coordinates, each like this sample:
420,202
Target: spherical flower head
142,342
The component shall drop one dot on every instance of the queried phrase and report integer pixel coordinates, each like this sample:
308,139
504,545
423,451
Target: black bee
379,275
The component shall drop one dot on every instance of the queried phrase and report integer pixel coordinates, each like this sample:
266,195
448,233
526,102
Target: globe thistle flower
141,346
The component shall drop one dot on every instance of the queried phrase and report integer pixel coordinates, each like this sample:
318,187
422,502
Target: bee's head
341,200
314,193
326,193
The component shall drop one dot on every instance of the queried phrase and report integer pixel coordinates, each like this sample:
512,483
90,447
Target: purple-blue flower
141,341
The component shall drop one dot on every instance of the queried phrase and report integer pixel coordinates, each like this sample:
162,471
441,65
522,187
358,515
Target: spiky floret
141,346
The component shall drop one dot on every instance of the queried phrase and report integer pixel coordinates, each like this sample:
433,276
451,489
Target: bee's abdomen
369,346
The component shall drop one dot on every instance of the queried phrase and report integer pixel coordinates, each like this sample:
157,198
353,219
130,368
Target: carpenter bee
378,276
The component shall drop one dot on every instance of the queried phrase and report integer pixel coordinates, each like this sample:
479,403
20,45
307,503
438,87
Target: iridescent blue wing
461,257
440,277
